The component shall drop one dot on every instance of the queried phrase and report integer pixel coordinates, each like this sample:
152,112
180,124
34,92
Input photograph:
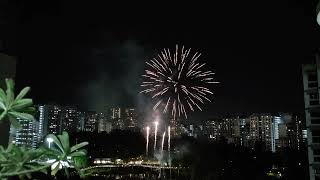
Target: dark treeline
216,160
116,144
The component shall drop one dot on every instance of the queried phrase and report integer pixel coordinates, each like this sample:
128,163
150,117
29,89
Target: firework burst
177,82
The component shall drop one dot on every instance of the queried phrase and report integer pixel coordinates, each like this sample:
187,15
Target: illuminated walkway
131,165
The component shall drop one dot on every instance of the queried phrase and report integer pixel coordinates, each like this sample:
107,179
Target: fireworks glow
162,142
147,143
169,138
155,135
177,81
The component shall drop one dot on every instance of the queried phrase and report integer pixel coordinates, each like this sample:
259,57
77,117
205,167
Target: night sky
92,54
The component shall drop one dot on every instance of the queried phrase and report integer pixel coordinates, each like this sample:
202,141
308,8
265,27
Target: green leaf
10,147
56,141
22,115
64,139
78,153
22,93
51,153
20,161
2,106
45,171
10,83
2,157
61,151
3,97
78,146
14,122
29,110
80,162
3,114
21,103
9,91
56,168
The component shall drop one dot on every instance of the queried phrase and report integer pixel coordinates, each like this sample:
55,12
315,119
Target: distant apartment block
26,136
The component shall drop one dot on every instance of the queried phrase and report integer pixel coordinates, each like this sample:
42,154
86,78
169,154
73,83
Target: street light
49,140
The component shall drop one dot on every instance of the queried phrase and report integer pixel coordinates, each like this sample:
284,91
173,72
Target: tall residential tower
311,83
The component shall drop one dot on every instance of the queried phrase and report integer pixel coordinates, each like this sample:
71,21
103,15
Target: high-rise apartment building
266,131
261,130
177,128
117,118
49,119
43,123
81,116
244,132
277,125
211,129
91,122
104,124
69,119
229,128
27,135
311,84
299,126
123,118
53,117
131,118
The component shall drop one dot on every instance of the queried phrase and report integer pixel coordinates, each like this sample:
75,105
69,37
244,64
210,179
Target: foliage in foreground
21,162
64,154
12,107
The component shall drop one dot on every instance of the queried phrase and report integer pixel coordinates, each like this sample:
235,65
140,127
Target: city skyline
277,131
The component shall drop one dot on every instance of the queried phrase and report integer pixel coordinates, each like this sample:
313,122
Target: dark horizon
74,57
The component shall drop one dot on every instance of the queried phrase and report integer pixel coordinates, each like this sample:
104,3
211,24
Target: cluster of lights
102,162
117,161
135,162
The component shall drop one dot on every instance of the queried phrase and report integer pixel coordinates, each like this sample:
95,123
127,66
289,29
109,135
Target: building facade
53,117
261,131
69,119
104,124
270,132
117,118
123,118
131,118
311,77
26,136
91,122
